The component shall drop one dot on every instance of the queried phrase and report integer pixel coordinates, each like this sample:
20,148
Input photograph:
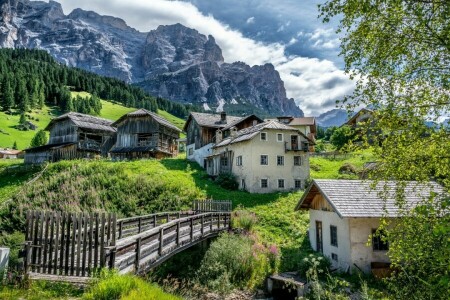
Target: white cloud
307,88
250,20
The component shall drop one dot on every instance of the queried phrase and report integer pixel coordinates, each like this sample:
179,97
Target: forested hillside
29,79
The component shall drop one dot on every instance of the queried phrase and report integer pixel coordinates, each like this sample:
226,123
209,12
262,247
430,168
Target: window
334,256
263,136
224,161
190,151
239,160
281,183
210,163
280,160
379,242
333,235
264,183
297,160
264,160
298,183
279,137
243,184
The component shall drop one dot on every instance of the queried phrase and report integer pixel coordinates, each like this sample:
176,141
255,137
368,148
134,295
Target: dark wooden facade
73,136
143,134
201,128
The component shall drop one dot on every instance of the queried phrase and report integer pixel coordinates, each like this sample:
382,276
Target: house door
319,241
294,142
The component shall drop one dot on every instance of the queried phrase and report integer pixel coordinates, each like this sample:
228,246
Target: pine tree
14,145
8,95
34,99
23,119
39,139
41,99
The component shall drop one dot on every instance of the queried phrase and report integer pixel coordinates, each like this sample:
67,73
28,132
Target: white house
266,157
345,213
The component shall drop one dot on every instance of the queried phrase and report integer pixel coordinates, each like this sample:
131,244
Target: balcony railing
296,147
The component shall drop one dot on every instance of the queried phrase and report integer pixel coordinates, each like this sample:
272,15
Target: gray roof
142,113
85,121
213,120
358,198
250,132
231,124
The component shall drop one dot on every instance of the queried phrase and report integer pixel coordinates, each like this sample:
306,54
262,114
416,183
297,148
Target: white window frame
267,159
282,160
261,136
301,160
282,137
261,183
239,160
300,185
284,183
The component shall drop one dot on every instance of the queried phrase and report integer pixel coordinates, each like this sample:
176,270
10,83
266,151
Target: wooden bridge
63,246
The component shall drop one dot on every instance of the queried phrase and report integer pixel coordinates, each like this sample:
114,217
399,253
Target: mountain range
173,62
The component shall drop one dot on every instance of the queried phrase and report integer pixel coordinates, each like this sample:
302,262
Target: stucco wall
252,171
199,154
343,249
362,255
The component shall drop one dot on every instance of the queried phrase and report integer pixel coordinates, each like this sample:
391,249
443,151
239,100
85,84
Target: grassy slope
109,110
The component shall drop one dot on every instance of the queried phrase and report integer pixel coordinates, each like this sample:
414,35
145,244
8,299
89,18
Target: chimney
218,136
223,117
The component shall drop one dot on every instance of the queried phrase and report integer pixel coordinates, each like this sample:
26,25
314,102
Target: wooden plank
79,233
27,226
102,241
57,240
35,241
73,244
96,246
91,242
63,240
192,229
51,243
85,234
161,241
45,249
67,249
138,255
41,240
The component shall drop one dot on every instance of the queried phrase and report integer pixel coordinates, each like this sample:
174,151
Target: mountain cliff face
334,117
173,62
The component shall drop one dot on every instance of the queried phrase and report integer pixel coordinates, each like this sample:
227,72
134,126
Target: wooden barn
74,135
144,134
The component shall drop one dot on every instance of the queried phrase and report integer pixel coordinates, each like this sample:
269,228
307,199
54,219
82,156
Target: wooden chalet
201,128
144,134
72,136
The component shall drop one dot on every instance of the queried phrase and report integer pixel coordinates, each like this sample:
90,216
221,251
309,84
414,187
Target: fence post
192,229
138,255
26,260
154,221
178,233
120,229
161,241
139,224
203,222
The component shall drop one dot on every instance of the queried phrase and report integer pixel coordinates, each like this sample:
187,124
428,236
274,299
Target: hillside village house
306,125
345,213
201,131
10,153
74,135
266,157
362,116
144,134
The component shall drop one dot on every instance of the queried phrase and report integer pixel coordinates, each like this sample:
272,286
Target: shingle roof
231,124
357,198
213,120
305,121
85,121
142,113
248,133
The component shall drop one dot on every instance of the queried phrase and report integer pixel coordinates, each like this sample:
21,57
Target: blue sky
286,33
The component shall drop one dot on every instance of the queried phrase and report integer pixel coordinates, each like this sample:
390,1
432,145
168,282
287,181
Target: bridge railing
138,224
212,205
140,252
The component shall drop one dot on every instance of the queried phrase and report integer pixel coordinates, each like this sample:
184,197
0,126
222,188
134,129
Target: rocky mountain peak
172,61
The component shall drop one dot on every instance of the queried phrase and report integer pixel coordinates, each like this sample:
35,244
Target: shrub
125,287
236,261
243,219
227,181
347,168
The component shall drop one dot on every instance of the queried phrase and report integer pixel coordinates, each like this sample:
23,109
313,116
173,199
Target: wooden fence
212,205
71,244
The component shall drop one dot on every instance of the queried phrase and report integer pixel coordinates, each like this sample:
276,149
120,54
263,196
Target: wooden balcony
302,147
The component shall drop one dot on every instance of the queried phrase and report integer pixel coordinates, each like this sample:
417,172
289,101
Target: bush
237,261
125,287
227,181
347,168
243,219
